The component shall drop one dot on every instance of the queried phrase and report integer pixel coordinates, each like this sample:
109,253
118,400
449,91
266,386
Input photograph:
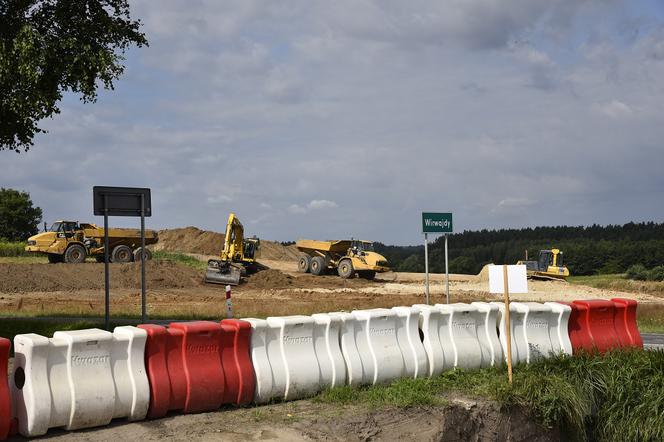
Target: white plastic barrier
264,390
539,324
560,334
487,332
463,333
290,348
328,350
517,334
79,379
408,337
348,340
435,338
378,346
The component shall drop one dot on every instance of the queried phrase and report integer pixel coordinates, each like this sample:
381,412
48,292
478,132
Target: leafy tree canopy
48,47
18,218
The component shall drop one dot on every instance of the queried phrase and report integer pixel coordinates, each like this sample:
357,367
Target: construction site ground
174,290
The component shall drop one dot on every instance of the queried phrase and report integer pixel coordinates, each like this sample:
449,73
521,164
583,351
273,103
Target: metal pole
447,274
426,267
143,306
107,299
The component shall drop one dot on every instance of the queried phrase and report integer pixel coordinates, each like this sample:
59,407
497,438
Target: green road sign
436,222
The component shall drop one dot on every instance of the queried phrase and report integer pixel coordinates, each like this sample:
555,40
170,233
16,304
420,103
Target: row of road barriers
86,378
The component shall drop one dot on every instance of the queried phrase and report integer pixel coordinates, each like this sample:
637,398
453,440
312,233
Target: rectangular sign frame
437,222
121,201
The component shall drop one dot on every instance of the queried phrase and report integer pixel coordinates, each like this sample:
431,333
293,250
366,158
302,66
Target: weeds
12,249
181,258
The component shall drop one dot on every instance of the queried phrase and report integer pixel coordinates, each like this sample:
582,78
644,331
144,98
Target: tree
48,47
18,218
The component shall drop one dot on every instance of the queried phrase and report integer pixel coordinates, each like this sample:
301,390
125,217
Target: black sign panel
121,201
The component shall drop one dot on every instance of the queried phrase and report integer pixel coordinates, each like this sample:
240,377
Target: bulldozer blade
230,277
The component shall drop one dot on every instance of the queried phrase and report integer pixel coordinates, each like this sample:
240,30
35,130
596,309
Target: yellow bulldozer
549,265
237,257
348,257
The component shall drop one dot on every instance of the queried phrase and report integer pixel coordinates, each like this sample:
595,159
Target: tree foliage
18,218
48,47
586,250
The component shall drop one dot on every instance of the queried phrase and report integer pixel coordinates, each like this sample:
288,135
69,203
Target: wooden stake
507,325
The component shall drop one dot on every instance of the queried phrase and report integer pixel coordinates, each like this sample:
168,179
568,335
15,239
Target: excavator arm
237,253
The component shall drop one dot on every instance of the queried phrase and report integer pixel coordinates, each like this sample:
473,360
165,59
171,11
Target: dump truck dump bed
334,246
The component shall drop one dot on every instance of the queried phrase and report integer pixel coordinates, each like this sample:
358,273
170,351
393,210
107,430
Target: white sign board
516,279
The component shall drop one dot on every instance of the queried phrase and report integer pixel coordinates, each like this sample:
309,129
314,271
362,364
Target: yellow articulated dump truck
348,257
71,242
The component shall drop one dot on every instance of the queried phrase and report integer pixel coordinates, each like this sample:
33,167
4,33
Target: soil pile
270,279
23,278
205,242
190,240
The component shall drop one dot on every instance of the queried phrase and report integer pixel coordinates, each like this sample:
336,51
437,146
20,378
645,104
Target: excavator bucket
219,272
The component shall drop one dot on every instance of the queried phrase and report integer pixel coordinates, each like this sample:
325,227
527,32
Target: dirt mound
23,278
483,275
190,240
270,279
205,242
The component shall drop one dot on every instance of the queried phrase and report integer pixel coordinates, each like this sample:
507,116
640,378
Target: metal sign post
434,222
122,201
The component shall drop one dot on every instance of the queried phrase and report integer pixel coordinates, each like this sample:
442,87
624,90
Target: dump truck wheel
54,258
345,269
317,265
137,255
368,274
304,263
121,254
75,254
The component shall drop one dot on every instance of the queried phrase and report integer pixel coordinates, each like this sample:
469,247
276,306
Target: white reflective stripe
132,389
349,351
377,343
463,334
408,337
537,328
260,361
295,349
328,350
560,335
432,323
492,351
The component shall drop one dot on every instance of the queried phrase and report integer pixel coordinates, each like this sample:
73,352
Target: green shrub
12,249
637,272
656,274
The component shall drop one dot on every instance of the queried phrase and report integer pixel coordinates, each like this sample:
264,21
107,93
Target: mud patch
462,420
23,278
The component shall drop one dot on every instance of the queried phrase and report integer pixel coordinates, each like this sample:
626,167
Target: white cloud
312,206
614,109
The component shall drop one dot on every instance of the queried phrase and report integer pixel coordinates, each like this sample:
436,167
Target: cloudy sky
349,117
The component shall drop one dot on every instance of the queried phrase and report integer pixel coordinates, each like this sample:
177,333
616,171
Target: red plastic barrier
238,369
184,367
599,320
579,335
625,322
5,404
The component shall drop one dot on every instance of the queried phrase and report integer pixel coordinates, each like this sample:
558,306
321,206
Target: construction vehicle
72,242
347,257
549,265
237,257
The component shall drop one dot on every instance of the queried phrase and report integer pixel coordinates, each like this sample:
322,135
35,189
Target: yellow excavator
549,265
237,257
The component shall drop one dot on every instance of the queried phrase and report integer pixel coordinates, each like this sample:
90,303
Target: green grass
181,258
618,282
615,397
12,249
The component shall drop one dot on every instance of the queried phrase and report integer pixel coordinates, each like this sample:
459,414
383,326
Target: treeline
587,250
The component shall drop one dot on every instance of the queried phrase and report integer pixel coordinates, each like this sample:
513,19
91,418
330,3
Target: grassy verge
615,397
181,258
618,282
8,249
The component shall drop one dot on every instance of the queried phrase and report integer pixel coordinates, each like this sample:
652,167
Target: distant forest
587,250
